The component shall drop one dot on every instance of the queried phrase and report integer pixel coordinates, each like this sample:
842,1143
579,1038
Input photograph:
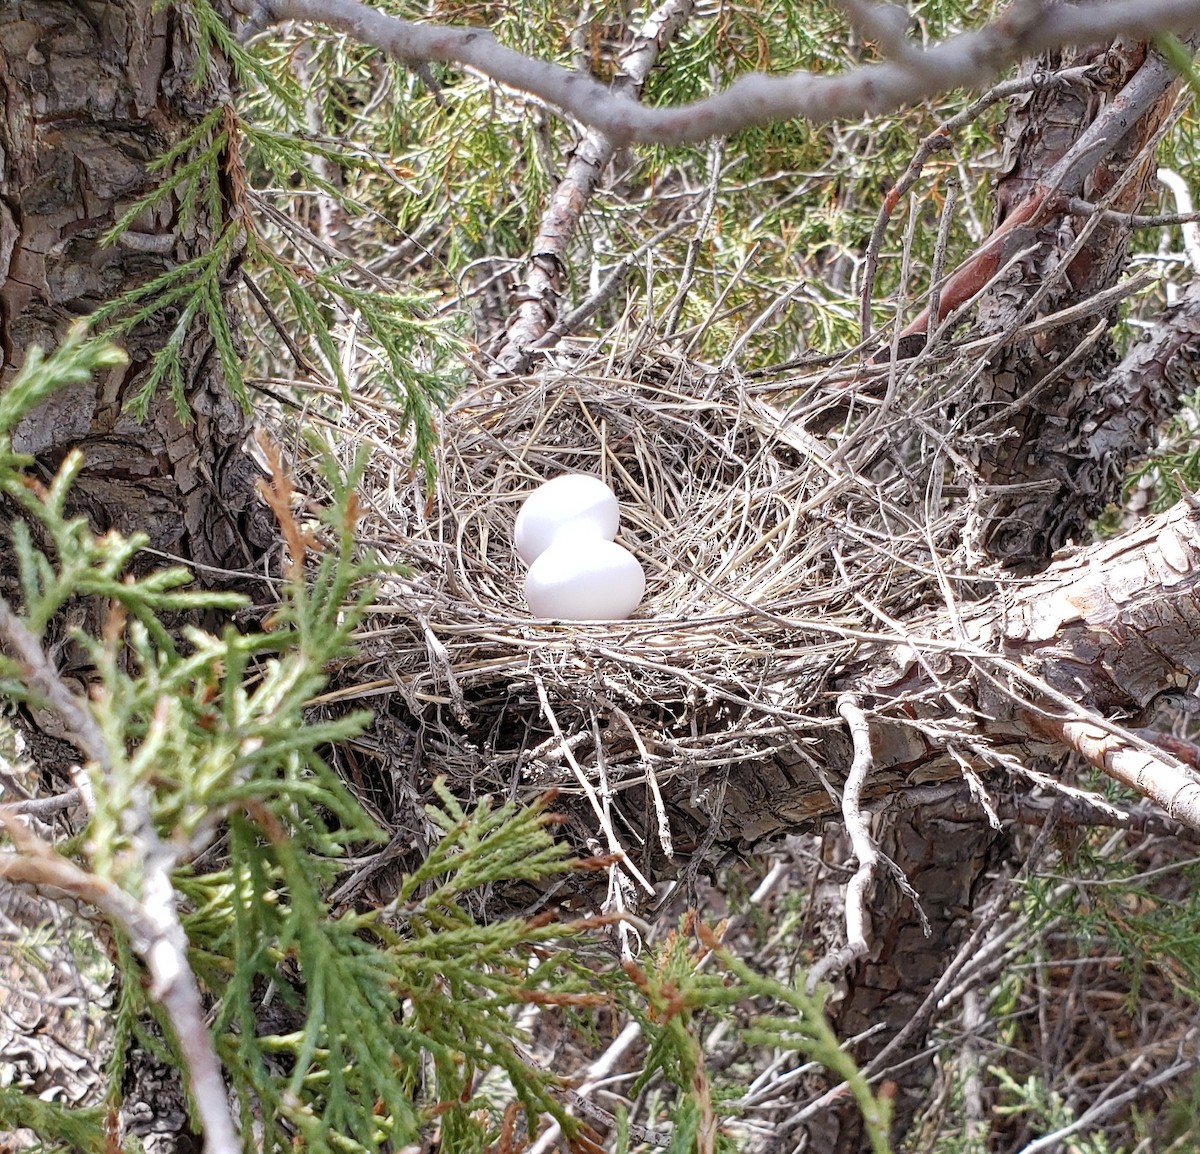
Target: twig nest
722,504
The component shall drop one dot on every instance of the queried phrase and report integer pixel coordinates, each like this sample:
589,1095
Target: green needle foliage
377,209
56,1125
681,986
300,282
339,1029
211,736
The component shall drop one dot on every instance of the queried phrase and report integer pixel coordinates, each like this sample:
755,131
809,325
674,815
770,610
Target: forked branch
968,60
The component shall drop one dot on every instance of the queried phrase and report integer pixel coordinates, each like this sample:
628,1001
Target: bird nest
729,507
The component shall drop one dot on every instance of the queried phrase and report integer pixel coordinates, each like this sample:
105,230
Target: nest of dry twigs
750,609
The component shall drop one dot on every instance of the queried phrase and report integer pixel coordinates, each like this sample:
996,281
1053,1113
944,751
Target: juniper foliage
343,1029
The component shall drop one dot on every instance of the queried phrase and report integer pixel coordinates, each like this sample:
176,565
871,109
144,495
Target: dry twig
857,922
151,923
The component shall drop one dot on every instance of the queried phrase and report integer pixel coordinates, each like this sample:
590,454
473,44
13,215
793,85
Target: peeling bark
1062,142
1113,628
535,299
1098,638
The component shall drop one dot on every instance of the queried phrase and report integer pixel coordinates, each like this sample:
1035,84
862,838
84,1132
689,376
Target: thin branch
971,951
716,150
1183,207
937,141
545,274
865,850
40,675
1077,206
589,1080
608,289
1109,1106
968,60
45,806
1164,781
158,940
614,843
1082,811
36,864
939,257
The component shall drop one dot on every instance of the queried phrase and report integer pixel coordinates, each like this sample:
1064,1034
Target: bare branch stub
544,275
1161,778
865,850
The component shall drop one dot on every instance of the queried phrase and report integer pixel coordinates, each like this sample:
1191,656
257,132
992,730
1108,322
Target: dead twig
857,923
158,939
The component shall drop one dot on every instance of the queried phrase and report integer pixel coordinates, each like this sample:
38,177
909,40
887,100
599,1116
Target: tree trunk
1047,390
91,95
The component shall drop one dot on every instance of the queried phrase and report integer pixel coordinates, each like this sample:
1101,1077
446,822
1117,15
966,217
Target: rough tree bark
1107,632
1056,457
1110,631
90,95
1068,260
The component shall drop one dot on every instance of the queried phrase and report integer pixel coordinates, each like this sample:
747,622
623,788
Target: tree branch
1097,639
1053,192
156,935
1099,635
1165,782
968,60
546,271
152,923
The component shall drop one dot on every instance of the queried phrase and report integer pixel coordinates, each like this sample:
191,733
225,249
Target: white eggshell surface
584,580
575,503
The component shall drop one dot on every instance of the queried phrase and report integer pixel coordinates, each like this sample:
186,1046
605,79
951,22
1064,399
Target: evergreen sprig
69,1128
212,735
206,182
680,987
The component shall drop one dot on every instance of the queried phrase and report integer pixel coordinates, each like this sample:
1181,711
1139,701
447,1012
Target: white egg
575,502
579,579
